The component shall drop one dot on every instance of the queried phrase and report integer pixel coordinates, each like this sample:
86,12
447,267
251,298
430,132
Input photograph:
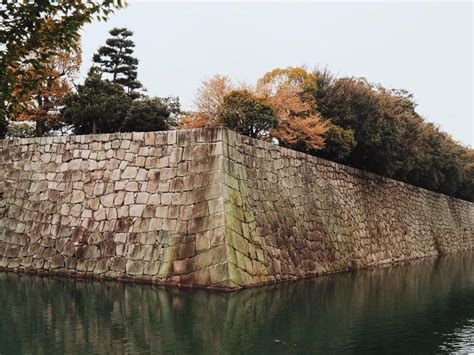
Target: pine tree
116,58
98,106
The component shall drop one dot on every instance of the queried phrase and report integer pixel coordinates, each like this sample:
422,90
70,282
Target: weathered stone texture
290,215
130,206
208,208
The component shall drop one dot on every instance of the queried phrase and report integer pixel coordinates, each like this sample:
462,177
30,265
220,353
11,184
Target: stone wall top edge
104,137
286,152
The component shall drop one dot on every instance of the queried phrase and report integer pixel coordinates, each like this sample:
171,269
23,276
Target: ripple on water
460,341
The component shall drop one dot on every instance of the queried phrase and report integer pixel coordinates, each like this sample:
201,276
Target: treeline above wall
348,120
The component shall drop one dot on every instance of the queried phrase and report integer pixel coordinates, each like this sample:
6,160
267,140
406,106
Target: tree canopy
42,104
116,58
247,114
347,120
300,125
98,106
33,32
148,114
389,137
102,106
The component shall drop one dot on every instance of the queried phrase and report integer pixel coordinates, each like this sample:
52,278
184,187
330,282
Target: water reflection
424,307
461,340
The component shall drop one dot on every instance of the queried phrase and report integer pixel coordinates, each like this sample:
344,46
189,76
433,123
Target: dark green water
425,307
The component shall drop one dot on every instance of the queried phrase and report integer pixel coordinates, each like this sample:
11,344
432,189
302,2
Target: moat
426,306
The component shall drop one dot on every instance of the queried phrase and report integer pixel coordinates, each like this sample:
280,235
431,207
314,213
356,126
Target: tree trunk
94,127
40,128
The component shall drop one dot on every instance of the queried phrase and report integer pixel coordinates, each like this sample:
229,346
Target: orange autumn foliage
194,120
285,91
42,104
209,98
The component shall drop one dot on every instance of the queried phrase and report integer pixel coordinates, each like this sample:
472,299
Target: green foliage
31,32
116,58
247,114
378,130
148,114
438,164
173,105
339,143
353,104
466,191
20,130
99,106
3,127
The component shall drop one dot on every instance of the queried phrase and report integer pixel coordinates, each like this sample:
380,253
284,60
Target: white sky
424,47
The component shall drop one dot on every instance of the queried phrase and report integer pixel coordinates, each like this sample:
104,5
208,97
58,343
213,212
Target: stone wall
145,207
290,215
208,208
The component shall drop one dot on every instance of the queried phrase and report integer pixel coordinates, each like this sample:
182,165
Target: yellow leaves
210,96
196,120
309,130
287,91
43,102
296,77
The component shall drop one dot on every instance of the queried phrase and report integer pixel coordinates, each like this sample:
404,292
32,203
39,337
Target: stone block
108,200
180,267
130,173
135,267
77,196
136,210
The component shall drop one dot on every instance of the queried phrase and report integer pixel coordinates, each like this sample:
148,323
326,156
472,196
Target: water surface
424,307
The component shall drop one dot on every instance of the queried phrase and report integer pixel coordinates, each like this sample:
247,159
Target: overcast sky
426,47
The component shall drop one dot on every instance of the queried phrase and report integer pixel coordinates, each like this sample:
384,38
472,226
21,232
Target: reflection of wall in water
353,305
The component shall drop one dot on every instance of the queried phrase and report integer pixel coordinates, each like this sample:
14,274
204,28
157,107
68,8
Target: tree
149,114
390,138
247,114
373,115
466,190
300,125
3,127
99,106
209,98
339,143
173,105
31,33
42,104
439,165
116,58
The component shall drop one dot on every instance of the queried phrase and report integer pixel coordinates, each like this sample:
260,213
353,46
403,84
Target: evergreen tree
116,58
149,114
99,106
247,114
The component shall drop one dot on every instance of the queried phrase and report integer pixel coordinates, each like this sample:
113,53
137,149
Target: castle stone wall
208,208
290,215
